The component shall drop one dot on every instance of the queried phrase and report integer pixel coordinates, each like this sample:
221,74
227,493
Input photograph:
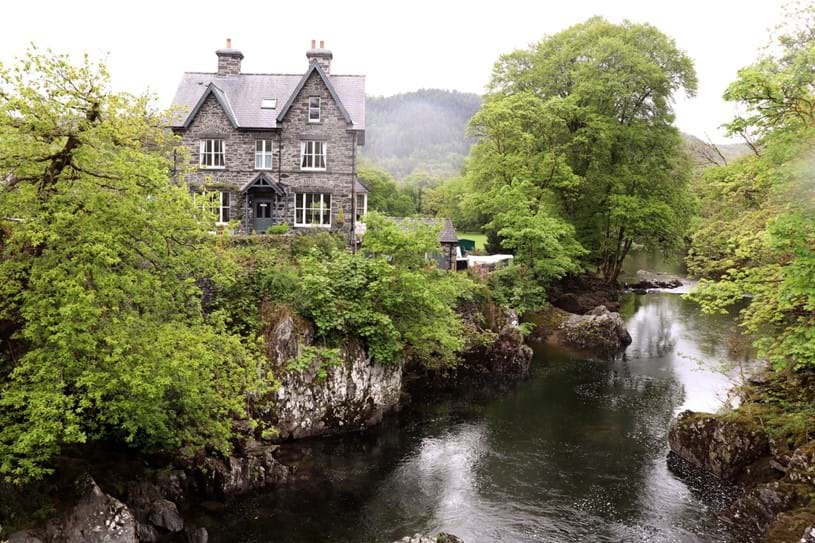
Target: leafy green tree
384,193
583,120
756,236
388,295
102,333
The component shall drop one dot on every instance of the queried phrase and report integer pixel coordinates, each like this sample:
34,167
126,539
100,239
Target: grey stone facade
218,113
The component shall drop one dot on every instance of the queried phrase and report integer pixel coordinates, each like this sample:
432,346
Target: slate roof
243,94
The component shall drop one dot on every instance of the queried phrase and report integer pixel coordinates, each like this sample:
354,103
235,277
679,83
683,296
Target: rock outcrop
582,293
96,518
755,511
649,280
722,447
775,505
144,515
801,465
255,469
441,538
600,330
324,399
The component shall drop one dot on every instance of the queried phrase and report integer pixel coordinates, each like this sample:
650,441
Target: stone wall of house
212,122
239,155
333,129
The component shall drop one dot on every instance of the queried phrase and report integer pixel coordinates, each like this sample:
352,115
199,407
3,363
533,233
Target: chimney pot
321,56
229,60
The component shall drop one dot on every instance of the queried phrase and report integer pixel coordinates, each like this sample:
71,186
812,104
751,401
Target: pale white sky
399,46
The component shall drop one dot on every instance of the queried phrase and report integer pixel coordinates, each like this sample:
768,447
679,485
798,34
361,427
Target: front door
263,215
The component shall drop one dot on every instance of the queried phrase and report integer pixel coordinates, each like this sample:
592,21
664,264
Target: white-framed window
312,209
216,203
222,210
263,154
312,155
268,103
212,153
362,206
314,109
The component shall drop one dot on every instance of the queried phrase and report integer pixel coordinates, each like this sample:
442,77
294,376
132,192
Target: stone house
275,148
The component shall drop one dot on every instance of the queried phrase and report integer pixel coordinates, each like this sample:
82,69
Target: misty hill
421,131
424,131
705,154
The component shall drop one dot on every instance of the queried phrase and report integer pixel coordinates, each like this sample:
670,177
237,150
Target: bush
324,242
278,229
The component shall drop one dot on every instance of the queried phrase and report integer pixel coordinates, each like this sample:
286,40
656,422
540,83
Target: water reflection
577,453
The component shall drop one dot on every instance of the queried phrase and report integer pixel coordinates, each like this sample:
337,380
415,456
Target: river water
575,453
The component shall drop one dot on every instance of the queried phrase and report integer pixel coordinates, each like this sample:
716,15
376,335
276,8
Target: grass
479,239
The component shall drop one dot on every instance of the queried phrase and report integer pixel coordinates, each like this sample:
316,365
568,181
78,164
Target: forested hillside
421,131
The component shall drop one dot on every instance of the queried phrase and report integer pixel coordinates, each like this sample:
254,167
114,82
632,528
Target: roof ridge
264,73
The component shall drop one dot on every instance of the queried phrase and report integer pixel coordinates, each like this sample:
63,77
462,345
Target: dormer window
212,154
314,109
268,103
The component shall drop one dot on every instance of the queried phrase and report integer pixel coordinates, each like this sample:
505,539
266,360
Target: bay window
312,155
312,209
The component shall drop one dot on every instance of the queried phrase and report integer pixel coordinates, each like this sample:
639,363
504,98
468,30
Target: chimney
229,60
320,55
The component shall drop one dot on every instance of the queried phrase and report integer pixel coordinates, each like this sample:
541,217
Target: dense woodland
122,319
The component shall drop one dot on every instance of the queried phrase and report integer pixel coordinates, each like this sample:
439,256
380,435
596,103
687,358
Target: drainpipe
279,166
354,195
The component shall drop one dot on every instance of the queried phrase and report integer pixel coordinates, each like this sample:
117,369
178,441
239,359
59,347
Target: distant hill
421,131
424,132
705,154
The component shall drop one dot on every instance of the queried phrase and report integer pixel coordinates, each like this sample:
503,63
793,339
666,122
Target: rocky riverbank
144,499
755,448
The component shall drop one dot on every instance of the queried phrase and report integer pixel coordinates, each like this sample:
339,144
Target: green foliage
101,257
323,357
324,242
407,244
399,312
278,229
390,295
580,127
756,236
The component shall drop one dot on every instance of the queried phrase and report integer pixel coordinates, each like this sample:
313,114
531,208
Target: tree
756,236
384,194
102,333
584,119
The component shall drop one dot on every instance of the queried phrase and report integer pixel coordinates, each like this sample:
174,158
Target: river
575,453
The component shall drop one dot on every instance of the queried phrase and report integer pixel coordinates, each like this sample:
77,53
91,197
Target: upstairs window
314,109
268,103
312,209
212,153
312,155
263,154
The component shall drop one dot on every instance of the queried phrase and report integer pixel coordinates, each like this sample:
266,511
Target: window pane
326,209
